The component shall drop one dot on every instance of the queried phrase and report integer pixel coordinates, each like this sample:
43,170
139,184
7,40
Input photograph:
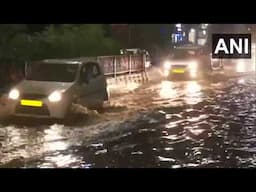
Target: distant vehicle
188,61
51,87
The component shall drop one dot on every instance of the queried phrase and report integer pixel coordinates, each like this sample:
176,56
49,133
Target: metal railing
122,64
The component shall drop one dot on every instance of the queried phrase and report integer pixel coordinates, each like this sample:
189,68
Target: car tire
69,116
106,95
99,108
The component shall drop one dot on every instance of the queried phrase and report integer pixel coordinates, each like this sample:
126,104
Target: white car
51,87
187,61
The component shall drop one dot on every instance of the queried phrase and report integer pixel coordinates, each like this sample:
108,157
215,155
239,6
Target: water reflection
20,145
193,88
15,143
122,87
167,90
60,161
241,81
193,93
210,129
54,141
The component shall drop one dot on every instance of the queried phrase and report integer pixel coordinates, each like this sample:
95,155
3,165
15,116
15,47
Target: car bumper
183,73
56,110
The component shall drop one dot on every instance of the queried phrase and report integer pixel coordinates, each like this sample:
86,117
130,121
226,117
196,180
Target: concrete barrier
125,83
128,78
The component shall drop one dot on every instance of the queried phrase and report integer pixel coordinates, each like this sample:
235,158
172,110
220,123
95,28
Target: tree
7,33
18,44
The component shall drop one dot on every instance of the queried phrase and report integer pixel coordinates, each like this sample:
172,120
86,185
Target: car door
96,84
92,86
84,87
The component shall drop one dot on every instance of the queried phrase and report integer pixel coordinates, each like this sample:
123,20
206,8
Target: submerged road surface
169,124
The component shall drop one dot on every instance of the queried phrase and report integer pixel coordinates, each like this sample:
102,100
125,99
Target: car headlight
14,94
167,65
56,96
193,65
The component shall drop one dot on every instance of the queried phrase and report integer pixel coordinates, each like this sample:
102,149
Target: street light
192,30
178,25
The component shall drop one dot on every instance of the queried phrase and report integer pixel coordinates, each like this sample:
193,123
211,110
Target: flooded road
163,124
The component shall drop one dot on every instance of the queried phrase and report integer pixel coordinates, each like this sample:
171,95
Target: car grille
179,66
33,96
43,111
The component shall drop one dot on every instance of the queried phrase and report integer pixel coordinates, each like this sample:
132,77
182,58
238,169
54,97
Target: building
190,33
178,35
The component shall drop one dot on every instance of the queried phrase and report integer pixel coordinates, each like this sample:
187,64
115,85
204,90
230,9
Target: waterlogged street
169,124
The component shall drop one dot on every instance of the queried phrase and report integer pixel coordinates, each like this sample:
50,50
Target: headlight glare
167,65
56,96
14,94
193,65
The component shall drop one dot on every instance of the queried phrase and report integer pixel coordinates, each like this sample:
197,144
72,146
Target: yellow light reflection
193,93
167,90
122,87
132,86
241,81
15,143
193,87
197,132
54,141
61,161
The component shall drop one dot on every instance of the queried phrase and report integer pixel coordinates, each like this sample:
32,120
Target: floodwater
167,124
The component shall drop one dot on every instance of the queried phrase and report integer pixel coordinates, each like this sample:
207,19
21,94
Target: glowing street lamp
178,25
192,30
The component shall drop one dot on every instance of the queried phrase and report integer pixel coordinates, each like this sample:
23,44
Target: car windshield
184,54
51,72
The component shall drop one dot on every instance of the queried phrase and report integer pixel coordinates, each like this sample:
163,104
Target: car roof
81,60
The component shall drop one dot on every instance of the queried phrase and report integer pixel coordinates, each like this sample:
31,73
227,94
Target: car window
89,71
84,76
95,70
61,72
